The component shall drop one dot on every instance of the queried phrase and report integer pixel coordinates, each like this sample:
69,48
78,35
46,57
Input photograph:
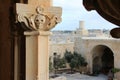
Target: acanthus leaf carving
39,21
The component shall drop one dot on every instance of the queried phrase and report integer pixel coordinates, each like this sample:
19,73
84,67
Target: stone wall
60,48
86,45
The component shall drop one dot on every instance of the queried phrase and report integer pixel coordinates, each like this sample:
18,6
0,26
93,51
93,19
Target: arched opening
103,59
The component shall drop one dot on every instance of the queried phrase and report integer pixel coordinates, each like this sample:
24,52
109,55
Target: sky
73,11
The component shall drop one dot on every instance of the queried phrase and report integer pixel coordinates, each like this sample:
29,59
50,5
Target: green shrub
75,60
115,70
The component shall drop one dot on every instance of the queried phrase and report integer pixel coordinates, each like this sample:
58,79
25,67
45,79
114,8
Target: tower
81,30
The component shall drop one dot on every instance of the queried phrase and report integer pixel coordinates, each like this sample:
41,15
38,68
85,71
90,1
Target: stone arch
102,59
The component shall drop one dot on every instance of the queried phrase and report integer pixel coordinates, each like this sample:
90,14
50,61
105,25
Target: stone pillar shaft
37,55
16,59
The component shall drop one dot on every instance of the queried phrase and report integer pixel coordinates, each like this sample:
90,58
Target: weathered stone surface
45,3
37,17
86,47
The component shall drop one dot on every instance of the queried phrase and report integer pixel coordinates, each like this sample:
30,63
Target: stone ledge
34,33
59,78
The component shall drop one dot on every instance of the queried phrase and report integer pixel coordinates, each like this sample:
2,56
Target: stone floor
85,77
78,76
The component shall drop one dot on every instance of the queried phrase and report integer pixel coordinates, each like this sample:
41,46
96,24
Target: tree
56,62
80,60
59,62
75,60
68,56
73,64
62,63
50,64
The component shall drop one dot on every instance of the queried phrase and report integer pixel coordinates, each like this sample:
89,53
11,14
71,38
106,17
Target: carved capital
42,19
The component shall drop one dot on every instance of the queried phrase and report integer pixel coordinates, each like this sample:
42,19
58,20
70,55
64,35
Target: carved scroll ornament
39,20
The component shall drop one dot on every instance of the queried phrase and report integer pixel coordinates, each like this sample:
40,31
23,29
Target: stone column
37,22
37,55
16,59
43,56
31,55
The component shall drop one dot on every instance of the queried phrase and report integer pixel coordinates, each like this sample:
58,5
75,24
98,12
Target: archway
103,59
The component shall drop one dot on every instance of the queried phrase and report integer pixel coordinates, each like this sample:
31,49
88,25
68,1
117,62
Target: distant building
60,41
93,44
61,47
